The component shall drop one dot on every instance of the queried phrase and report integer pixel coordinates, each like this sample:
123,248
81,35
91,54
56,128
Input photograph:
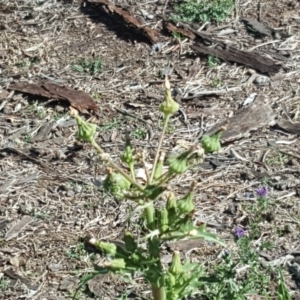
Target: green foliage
203,11
3,284
87,66
212,61
172,220
139,133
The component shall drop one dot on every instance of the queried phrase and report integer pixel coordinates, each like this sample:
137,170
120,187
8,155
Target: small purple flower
240,232
262,192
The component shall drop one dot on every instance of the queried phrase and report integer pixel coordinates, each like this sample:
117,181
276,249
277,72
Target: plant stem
150,215
166,121
121,171
158,293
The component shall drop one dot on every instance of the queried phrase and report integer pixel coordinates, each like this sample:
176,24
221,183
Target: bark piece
288,126
77,99
151,34
43,132
18,227
258,115
251,59
203,44
258,27
13,275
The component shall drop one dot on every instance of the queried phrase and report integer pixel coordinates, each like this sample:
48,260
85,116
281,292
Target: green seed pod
116,264
169,106
116,184
186,204
176,266
211,143
129,241
86,130
108,248
163,220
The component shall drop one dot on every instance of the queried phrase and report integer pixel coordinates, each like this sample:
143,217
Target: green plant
178,36
140,133
212,61
3,284
86,66
76,251
203,11
216,82
21,64
141,252
110,125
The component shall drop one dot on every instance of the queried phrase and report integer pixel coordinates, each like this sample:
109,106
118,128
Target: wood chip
258,27
251,59
18,227
77,99
288,126
13,275
43,133
258,115
203,44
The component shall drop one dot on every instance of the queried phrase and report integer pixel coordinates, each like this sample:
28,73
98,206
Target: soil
51,194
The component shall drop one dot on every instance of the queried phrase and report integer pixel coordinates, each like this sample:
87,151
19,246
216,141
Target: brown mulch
51,192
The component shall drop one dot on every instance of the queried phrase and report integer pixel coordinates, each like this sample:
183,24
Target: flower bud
116,264
108,248
178,164
169,106
116,184
176,266
163,220
186,204
127,156
86,130
211,143
171,206
171,202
